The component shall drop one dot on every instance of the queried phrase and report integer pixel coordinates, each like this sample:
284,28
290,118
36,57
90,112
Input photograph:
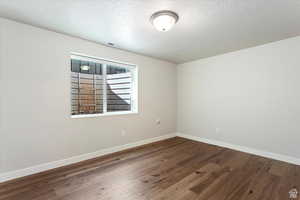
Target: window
101,87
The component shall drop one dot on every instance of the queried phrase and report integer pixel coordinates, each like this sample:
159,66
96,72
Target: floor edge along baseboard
60,163
68,161
244,149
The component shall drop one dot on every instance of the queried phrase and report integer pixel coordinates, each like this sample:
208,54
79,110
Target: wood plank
119,81
174,169
117,76
118,91
119,86
118,107
119,96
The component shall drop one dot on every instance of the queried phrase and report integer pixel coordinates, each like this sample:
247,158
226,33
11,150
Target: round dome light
164,20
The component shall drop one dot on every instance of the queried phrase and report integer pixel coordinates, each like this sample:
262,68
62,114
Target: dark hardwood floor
174,169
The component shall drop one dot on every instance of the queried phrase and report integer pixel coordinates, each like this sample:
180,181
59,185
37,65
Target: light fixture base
164,20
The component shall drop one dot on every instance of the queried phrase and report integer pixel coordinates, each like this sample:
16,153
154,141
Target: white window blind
100,86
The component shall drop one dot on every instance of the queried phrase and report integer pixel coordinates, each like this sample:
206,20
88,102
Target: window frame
134,94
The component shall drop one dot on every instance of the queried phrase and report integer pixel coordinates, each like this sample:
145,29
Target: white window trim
104,114
134,95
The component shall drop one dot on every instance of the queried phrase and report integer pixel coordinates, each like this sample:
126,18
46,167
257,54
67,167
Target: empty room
149,100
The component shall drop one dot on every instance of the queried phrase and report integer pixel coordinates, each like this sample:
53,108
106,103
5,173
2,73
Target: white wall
1,96
252,96
35,118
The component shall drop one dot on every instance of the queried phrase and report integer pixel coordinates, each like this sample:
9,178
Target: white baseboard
52,165
274,156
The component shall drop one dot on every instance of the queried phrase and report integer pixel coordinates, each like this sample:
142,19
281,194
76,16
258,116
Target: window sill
103,115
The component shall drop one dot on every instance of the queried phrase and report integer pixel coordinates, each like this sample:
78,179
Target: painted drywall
248,98
35,101
1,96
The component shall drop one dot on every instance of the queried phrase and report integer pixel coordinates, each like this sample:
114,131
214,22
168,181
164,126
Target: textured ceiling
205,28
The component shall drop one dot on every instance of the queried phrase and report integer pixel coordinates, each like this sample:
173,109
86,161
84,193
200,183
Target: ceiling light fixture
164,20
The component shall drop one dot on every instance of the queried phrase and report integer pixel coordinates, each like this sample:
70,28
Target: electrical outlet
293,193
158,121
